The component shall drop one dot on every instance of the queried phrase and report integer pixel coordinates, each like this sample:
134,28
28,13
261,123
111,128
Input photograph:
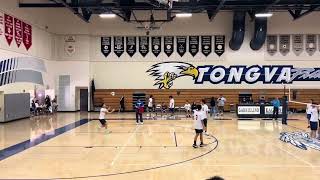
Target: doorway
83,99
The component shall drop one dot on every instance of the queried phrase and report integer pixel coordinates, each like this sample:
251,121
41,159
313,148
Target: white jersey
205,110
171,103
150,102
103,113
187,107
308,109
198,118
221,101
314,114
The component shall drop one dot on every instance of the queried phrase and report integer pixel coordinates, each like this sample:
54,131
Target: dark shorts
221,108
205,122
103,121
313,126
199,131
171,110
308,117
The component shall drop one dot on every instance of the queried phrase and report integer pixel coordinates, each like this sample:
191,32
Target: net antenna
292,91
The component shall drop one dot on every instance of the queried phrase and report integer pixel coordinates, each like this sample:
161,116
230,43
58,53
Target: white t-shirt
171,104
314,114
205,110
150,102
221,101
37,105
198,117
308,109
103,113
187,107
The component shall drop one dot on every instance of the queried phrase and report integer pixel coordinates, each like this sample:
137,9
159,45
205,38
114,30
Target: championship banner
168,45
272,44
219,44
70,45
118,45
144,45
181,45
1,23
106,46
284,44
131,45
156,45
297,44
311,44
165,74
18,31
206,45
27,35
193,45
8,28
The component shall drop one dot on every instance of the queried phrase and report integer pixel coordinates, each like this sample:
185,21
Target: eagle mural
165,73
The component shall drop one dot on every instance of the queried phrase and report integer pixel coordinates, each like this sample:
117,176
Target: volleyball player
102,116
198,126
205,109
308,108
314,120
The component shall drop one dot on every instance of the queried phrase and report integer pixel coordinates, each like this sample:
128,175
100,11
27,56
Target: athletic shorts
221,108
308,116
171,110
313,126
103,121
205,122
199,131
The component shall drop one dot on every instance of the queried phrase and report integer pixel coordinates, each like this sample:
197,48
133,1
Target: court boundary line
215,141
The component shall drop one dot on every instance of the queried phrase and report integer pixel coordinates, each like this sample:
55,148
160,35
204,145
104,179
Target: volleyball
113,93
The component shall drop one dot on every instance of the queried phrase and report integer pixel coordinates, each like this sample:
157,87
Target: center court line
124,146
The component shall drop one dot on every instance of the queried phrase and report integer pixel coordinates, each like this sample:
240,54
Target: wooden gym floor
62,147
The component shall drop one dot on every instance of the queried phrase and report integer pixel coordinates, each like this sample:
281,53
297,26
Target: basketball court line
22,146
124,146
288,152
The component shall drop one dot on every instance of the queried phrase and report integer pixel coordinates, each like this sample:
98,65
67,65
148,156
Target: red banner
27,35
1,23
18,31
8,28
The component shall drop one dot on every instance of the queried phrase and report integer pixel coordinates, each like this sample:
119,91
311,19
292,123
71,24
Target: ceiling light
263,14
107,15
183,15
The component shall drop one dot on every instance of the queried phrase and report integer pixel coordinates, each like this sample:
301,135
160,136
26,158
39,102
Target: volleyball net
301,95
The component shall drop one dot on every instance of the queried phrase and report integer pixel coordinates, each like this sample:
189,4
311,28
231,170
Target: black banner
106,46
181,45
118,42
156,45
131,45
206,45
219,44
143,45
168,45
193,45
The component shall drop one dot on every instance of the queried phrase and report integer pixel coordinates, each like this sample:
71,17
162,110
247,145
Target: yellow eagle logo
167,72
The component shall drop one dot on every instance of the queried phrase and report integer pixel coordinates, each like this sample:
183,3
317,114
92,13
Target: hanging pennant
131,45
193,45
297,44
106,46
70,45
272,44
311,44
168,45
27,35
206,45
118,45
284,44
1,23
181,45
18,31
8,28
156,45
144,45
219,44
